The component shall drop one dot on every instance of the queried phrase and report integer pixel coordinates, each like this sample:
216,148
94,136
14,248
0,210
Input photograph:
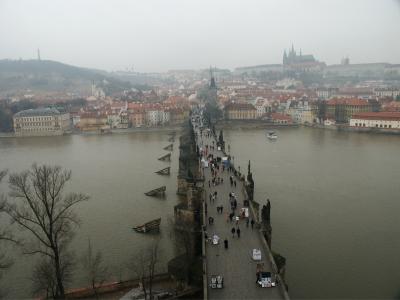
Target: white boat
272,135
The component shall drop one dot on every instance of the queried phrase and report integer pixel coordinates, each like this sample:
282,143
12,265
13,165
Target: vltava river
115,170
335,201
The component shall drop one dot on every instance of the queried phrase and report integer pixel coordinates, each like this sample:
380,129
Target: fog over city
158,35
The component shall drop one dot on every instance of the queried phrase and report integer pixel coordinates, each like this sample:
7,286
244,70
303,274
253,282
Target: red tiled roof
239,106
348,101
377,115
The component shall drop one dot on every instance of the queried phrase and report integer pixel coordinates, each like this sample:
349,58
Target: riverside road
235,264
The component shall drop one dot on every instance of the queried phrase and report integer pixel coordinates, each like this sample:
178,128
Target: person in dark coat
226,243
252,223
233,230
238,232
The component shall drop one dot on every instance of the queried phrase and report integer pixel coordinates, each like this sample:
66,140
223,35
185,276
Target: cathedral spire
212,80
284,57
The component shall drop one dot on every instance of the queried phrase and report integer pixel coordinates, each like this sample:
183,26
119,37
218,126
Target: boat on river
151,226
271,135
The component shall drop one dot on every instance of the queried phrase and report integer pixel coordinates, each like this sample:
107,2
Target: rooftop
348,101
239,106
38,112
377,116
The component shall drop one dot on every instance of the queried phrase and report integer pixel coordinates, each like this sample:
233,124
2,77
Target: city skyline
157,36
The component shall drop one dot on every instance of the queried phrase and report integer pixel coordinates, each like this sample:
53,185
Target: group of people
213,196
232,202
215,181
217,168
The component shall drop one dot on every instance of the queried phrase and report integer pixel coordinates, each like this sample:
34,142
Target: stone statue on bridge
266,213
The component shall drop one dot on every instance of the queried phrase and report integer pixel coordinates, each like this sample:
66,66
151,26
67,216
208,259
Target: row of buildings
351,111
101,116
287,103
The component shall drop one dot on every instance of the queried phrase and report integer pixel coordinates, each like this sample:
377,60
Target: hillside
51,76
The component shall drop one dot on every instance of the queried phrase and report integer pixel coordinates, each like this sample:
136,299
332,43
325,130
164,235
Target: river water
335,208
114,170
335,202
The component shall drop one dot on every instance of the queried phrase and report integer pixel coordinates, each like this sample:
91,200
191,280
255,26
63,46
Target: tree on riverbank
143,264
7,110
5,237
38,206
95,271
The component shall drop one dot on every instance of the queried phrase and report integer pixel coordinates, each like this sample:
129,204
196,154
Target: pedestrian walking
233,230
252,223
226,243
238,232
209,196
221,208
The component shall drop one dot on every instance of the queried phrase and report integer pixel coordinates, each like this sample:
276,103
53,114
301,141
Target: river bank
98,132
256,124
251,124
347,128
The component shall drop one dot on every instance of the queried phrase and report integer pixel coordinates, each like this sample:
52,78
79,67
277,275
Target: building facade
376,120
41,122
342,109
240,111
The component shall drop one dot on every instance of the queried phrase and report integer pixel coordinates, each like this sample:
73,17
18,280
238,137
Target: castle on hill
301,62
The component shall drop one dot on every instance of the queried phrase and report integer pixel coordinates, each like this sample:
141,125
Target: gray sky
158,35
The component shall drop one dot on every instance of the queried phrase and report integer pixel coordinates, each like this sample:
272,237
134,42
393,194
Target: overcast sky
158,35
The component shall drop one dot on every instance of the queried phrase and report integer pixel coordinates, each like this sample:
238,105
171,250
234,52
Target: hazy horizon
156,35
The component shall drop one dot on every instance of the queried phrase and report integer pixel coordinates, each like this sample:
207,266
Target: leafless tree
95,271
39,206
44,281
5,237
143,264
44,276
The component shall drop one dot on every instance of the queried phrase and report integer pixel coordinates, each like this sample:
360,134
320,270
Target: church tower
213,85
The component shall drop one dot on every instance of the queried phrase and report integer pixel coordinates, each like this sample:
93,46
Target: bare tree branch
39,207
